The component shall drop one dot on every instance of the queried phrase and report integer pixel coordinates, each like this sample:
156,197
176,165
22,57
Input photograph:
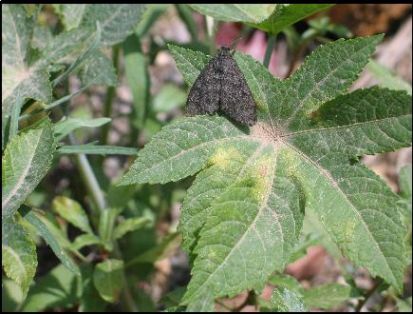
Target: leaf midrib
333,128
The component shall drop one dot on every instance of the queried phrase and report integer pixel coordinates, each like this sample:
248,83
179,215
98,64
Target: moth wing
236,99
203,97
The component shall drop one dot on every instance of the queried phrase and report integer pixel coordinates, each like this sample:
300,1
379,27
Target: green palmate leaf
129,225
25,162
59,288
241,218
67,125
288,14
326,296
19,259
253,13
108,279
48,236
71,14
117,20
285,300
72,212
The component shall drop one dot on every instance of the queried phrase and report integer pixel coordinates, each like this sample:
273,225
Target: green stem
126,293
89,179
269,50
107,110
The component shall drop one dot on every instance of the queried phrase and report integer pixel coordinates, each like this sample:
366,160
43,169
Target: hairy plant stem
269,50
111,92
89,179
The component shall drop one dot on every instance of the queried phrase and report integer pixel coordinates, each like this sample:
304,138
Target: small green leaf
252,13
108,279
90,300
72,212
326,296
57,233
44,232
288,14
129,225
25,162
117,20
67,125
19,259
59,288
85,240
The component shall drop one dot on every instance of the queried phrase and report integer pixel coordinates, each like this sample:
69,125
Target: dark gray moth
221,88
